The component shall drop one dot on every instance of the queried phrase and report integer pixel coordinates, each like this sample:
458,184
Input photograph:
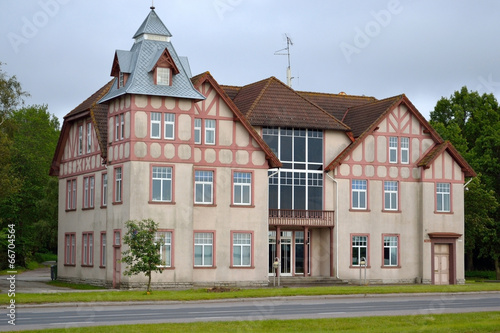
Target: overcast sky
62,50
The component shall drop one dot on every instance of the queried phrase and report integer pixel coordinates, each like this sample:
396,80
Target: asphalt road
78,315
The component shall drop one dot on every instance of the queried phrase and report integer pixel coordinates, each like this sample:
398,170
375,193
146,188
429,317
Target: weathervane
152,4
289,69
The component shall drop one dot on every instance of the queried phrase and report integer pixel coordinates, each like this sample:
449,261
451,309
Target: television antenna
287,53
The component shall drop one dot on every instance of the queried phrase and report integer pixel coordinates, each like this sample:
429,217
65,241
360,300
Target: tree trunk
497,268
149,282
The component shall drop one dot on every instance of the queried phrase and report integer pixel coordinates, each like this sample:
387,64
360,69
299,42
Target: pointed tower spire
152,28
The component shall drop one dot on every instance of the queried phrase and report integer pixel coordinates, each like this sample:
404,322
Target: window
358,194
242,249
89,137
299,183
203,249
71,194
393,149
103,249
162,76
359,250
155,125
242,188
69,248
164,238
104,189
405,150
197,131
87,249
122,126
88,192
117,128
203,187
443,197
169,126
121,81
116,238
391,250
162,184
80,139
390,195
118,185
209,131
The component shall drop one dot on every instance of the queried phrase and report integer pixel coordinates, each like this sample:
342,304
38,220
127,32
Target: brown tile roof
336,104
361,117
273,161
98,113
437,150
271,103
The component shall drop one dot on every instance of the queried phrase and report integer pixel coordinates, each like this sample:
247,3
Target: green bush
480,275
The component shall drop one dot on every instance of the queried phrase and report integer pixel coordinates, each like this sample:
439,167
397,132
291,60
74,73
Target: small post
276,266
362,264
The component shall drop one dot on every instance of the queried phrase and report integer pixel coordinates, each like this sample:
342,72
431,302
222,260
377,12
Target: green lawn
203,294
462,322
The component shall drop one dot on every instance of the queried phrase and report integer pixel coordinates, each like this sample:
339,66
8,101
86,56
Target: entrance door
441,264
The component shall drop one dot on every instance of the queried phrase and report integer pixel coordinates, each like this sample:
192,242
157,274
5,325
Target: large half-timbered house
238,177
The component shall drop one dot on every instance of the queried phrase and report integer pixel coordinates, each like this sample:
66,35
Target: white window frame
242,249
161,177
204,187
359,189
80,139
405,150
103,249
87,249
121,81
155,132
117,128
163,76
118,184
393,149
71,194
164,237
359,242
197,131
443,197
169,126
391,196
89,137
204,241
122,126
104,191
210,126
69,248
242,188
391,245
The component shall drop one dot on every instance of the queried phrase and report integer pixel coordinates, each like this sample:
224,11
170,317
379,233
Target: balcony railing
292,217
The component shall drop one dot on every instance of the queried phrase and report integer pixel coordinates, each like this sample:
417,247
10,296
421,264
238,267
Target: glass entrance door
286,253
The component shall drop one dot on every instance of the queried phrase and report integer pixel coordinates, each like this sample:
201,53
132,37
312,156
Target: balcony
309,218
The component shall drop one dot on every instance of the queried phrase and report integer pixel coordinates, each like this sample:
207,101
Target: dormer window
121,80
163,76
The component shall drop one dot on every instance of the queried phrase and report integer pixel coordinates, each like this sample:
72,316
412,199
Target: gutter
336,225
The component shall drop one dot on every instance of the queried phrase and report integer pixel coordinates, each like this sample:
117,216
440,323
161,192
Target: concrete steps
301,281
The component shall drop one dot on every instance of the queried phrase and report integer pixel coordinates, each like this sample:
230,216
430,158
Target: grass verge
461,322
203,294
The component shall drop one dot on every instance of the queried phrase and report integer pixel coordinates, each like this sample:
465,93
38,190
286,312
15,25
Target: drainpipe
336,225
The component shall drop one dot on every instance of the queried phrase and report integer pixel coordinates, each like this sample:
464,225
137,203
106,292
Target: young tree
143,254
472,123
11,95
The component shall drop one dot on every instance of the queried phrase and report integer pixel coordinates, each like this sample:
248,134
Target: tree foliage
28,198
11,95
472,123
143,254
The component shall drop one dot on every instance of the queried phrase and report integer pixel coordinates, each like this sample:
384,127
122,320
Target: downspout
336,225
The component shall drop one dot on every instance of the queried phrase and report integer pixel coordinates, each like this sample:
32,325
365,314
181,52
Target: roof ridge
378,101
259,97
317,93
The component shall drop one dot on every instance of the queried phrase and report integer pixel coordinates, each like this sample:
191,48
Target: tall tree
472,123
143,254
33,134
11,95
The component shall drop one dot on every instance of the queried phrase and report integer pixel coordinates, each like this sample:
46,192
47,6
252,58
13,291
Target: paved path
32,281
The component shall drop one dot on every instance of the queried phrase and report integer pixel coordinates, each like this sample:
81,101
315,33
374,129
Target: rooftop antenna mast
289,69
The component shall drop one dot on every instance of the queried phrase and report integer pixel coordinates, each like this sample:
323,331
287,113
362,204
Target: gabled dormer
122,67
163,68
